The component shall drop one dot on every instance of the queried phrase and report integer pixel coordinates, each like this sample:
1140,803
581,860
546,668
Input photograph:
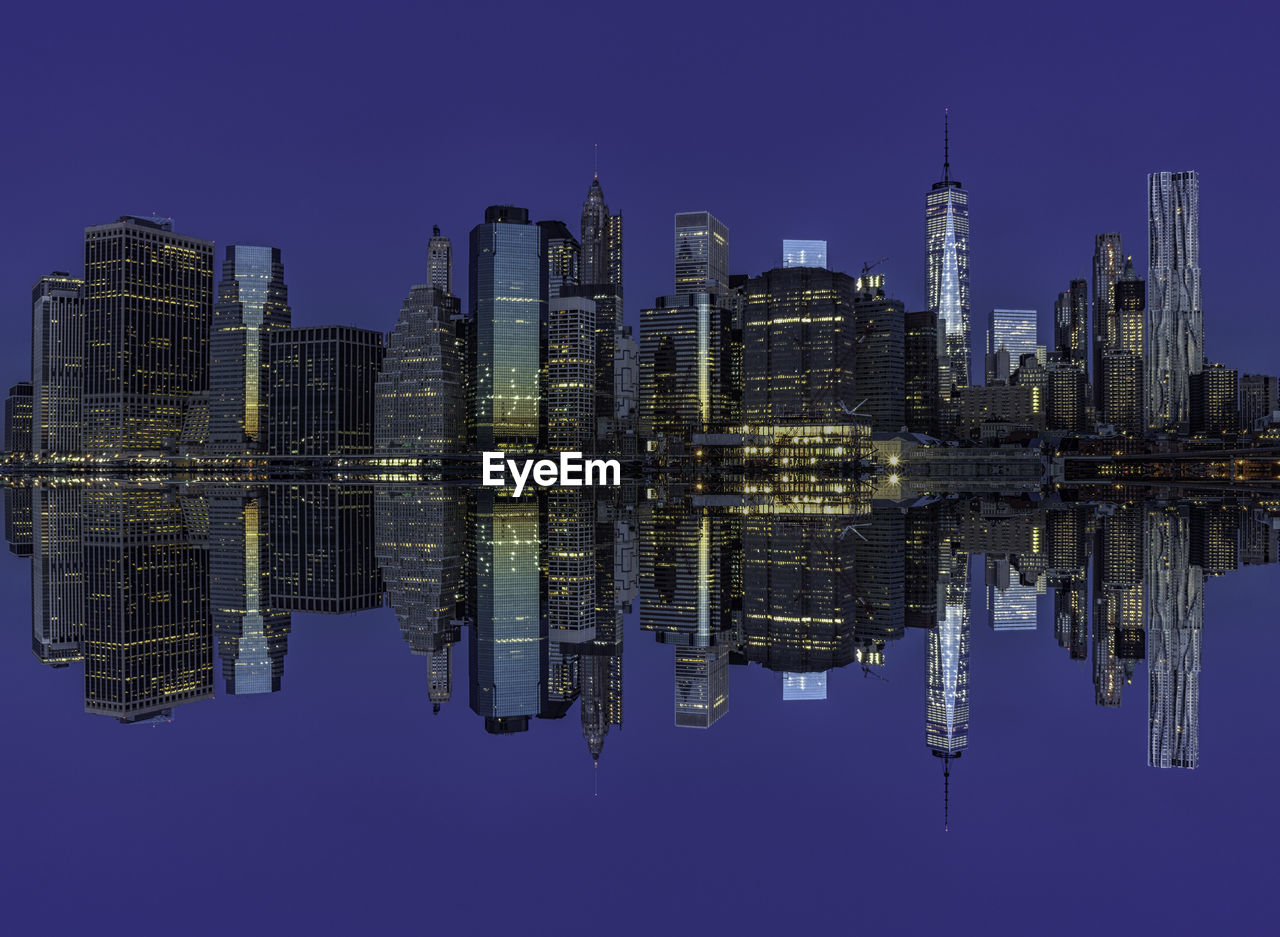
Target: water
327,795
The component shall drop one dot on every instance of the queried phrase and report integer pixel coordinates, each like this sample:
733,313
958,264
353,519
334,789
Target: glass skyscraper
508,304
1013,330
702,253
252,301
57,362
947,272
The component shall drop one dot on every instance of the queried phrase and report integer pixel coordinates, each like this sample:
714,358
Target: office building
1215,401
804,253
18,418
57,363
921,340
253,302
148,299
19,528
1175,317
880,356
601,234
419,396
508,304
564,258
321,545
1108,264
1174,625
701,253
1066,400
686,366
440,262
1014,331
1124,392
1259,400
57,573
321,396
570,397
1071,325
947,274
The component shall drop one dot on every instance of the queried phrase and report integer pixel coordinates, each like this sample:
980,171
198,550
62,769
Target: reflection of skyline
138,582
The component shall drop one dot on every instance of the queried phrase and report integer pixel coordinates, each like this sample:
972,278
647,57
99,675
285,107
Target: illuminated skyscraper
506,640
419,398
564,258
702,254
57,574
571,374
57,363
1175,622
947,273
322,548
686,365
1175,317
1071,326
252,637
148,298
947,672
804,253
1013,330
440,262
601,235
508,302
1108,263
253,302
18,418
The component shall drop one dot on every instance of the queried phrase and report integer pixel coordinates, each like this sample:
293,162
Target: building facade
701,253
57,363
1175,317
947,273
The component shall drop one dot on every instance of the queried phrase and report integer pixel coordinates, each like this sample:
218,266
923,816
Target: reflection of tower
1119,599
417,532
321,539
57,575
252,637
17,519
947,681
506,641
1175,619
148,638
600,664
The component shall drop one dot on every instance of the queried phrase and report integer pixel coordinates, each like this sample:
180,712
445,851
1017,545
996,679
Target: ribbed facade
57,363
1175,317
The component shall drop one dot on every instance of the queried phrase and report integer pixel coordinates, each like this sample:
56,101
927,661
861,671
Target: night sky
342,133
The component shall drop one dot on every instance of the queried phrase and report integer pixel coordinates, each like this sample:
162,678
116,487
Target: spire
596,146
946,144
946,794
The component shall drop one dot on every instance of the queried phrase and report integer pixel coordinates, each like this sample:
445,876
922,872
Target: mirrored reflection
171,594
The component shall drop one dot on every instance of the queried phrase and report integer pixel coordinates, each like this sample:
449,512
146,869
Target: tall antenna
946,794
597,149
946,144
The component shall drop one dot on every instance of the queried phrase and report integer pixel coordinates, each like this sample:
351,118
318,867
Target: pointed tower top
596,146
946,144
946,795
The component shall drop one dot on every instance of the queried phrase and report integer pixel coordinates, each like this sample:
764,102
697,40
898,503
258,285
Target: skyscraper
508,303
879,358
601,242
564,258
321,394
1259,399
1175,317
920,371
148,298
1174,625
1108,261
702,254
570,396
1071,325
419,396
1124,392
57,573
440,262
1215,400
252,304
1015,331
947,272
804,253
321,542
18,418
686,365
57,362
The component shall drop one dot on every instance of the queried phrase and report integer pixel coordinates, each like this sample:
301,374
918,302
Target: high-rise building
564,258
1071,325
702,254
57,362
1259,400
1123,394
921,340
321,395
1174,625
1011,603
947,273
880,356
1013,330
1175,317
686,366
57,573
800,348
1215,400
252,636
419,396
505,651
321,542
601,235
440,262
626,388
253,302
804,253
19,526
148,299
148,634
508,304
1108,262
570,396
18,418
1065,412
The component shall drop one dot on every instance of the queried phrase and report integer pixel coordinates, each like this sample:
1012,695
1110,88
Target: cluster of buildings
146,354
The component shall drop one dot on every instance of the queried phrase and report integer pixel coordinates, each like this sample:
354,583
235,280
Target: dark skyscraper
18,417
508,304
686,373
57,573
1215,400
320,401
1124,392
564,258
601,242
1108,262
57,363
920,371
322,548
253,302
440,262
880,356
1071,325
148,298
